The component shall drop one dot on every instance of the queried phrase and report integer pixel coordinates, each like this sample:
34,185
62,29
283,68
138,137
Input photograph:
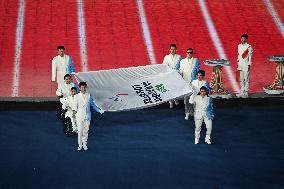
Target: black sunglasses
189,52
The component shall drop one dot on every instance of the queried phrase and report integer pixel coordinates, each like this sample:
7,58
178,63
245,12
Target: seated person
67,105
64,90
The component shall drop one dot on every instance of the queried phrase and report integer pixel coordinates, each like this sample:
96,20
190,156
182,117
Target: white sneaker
176,103
79,148
171,105
208,141
186,116
85,148
196,141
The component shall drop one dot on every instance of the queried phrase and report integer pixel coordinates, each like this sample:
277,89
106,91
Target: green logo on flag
161,88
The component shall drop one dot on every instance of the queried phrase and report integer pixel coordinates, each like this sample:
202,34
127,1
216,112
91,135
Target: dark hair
204,88
82,83
245,36
173,45
74,88
202,72
67,75
60,47
191,49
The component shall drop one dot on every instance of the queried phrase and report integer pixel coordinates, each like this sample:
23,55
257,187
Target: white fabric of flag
135,87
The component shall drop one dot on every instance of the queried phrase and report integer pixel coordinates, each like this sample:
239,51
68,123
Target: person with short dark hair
188,69
81,110
62,64
245,51
203,111
172,60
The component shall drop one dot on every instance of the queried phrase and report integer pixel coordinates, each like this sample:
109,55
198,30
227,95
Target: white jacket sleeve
53,69
250,55
165,61
59,91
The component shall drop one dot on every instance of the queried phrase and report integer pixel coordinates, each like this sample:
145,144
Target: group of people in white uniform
77,101
199,104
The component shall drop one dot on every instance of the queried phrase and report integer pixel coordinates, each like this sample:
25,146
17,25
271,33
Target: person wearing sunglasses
188,69
172,60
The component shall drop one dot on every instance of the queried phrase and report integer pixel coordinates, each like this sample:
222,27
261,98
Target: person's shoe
196,141
208,141
186,116
79,148
85,147
171,105
176,103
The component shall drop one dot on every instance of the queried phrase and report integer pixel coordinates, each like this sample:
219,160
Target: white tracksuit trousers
244,80
198,124
83,131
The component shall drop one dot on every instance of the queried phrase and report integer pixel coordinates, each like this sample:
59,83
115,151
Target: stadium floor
149,148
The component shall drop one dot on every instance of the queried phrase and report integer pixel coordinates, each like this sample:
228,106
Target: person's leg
74,125
246,83
186,107
86,126
242,81
171,104
242,84
198,123
208,123
176,102
80,133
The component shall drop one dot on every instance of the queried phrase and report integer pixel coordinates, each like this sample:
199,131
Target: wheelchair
67,127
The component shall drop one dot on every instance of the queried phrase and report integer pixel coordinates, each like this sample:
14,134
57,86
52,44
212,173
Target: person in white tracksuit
172,60
188,68
203,111
67,104
81,110
245,51
62,64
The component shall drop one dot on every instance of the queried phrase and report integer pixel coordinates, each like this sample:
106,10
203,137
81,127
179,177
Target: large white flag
134,87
